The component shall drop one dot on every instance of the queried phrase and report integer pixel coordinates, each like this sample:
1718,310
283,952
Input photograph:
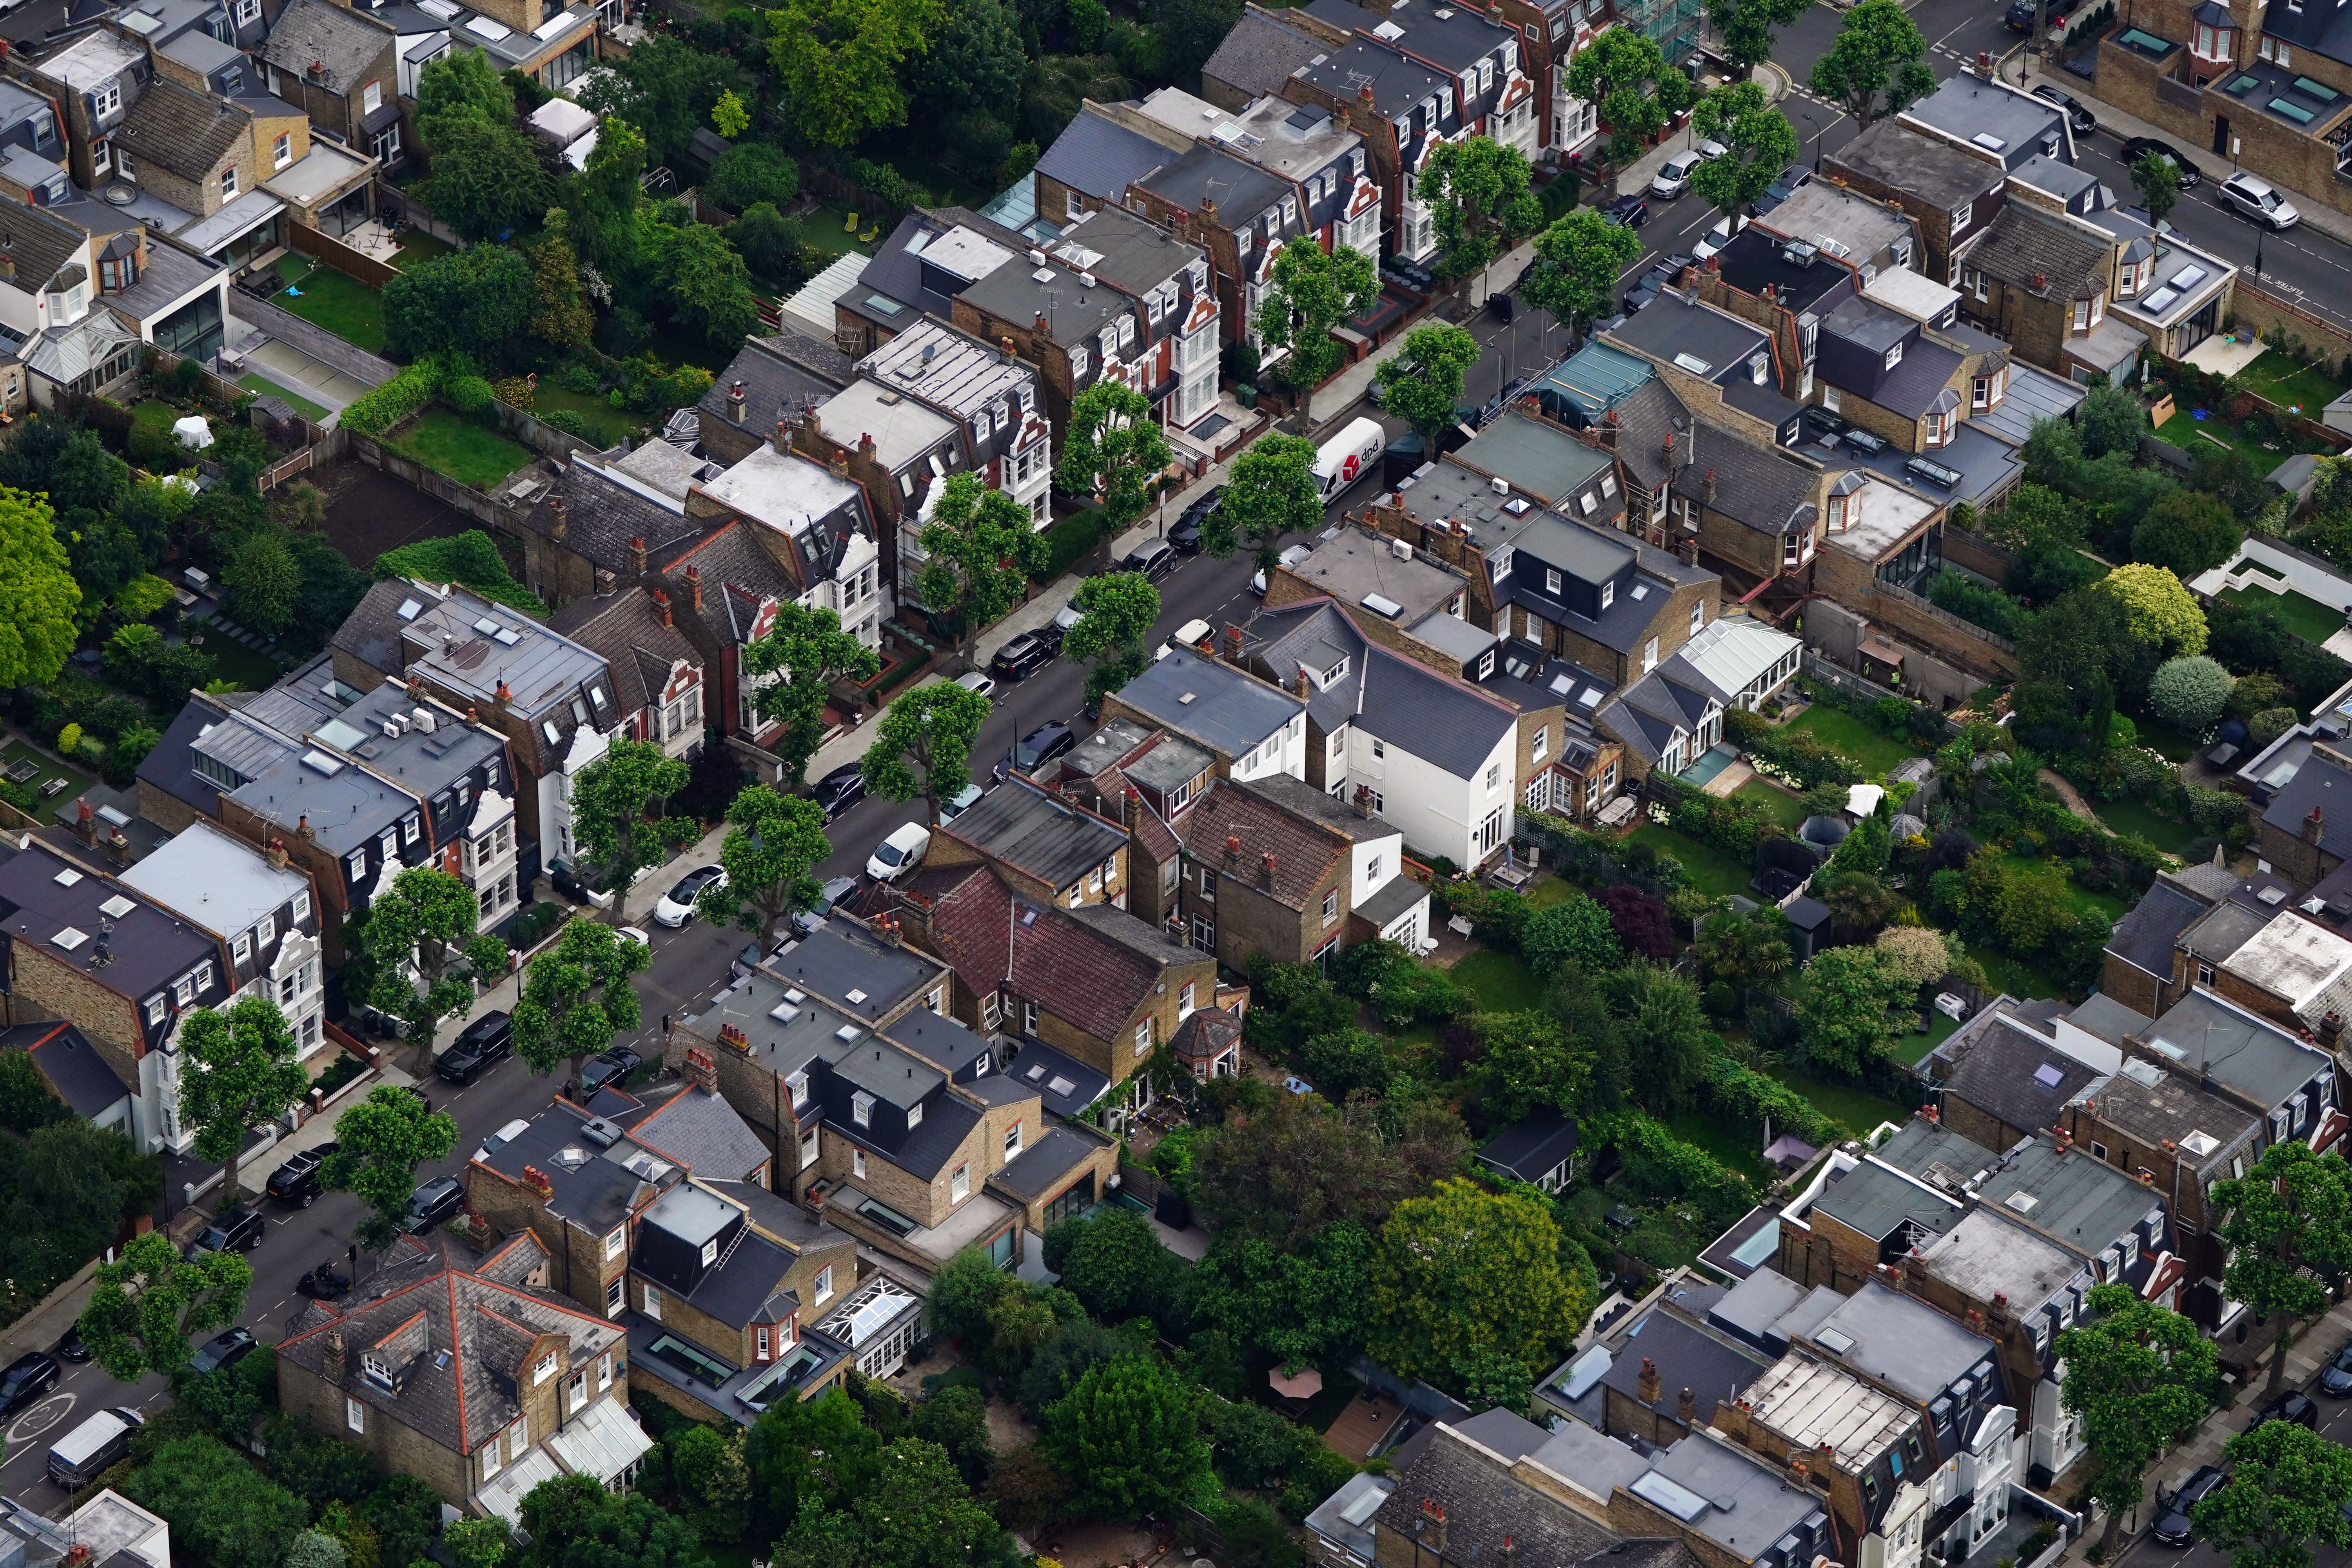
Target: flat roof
1212,702
223,883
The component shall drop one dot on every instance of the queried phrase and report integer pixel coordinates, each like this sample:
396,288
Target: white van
84,1454
1348,456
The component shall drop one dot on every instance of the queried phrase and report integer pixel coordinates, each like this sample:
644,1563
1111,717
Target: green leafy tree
963,1291
604,215
1746,26
1129,1435
2111,420
617,811
1760,140
713,1482
839,62
772,842
1310,291
461,86
2157,179
561,316
150,1302
1749,952
1577,261
1574,932
1465,1270
1489,1380
982,547
2187,533
665,87
1622,73
576,997
920,1514
39,593
1664,1034
2287,1486
416,931
1114,450
25,1101
1423,384
932,728
1115,611
813,1453
1480,192
1843,1013
975,64
2156,609
2137,1377
1288,1170
1301,1306
1876,64
486,1542
753,172
379,1143
770,243
1115,1264
708,287
730,116
2189,694
1526,1060
957,1420
2288,1229
237,1072
791,666
263,581
486,180
217,1504
1270,491
476,301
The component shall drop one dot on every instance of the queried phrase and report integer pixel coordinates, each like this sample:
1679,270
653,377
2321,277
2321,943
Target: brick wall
1838,1489
1977,1125
1853,583
1880,421
165,809
923,1200
200,196
1030,342
2292,857
577,1265
1670,622
1250,920
1432,537
46,988
2254,306
1832,1253
402,1450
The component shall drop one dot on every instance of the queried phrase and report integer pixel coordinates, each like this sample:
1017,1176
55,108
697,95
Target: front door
2221,134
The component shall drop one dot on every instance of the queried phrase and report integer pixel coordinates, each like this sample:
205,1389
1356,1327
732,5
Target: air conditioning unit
1400,549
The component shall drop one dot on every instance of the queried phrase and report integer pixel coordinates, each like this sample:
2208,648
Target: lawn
1728,1142
1912,1048
345,307
1547,891
821,230
1857,1108
2192,435
250,668
1501,982
607,425
269,388
1855,738
1712,872
2018,978
2135,818
448,443
417,246
2306,618
77,781
2287,383
1786,808
2106,904
2167,742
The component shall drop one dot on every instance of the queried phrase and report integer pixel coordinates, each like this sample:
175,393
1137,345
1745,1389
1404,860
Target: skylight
2049,1075
408,609
1988,142
68,877
1692,364
115,908
69,937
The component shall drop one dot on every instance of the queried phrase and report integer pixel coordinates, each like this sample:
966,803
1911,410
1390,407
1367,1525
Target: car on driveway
1022,656
28,1377
2257,199
2176,1522
676,906
840,789
901,852
434,1203
296,1182
2187,173
487,1040
502,1138
1187,536
1154,558
2079,119
1627,212
1042,745
236,1226
224,1349
977,681
1673,176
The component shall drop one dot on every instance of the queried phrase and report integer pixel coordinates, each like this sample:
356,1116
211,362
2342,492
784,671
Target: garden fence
460,498
278,322
1846,681
356,265
1926,606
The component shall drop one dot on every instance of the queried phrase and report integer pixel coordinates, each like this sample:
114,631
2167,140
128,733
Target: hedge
1748,1094
1662,1165
469,559
375,411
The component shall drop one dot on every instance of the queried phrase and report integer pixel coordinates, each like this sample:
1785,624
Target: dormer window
861,1108
1551,581
376,1370
1893,356
106,100
914,1117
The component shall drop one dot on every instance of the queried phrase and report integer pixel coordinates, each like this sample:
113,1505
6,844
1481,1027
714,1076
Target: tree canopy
1310,291
1576,263
981,548
379,1143
2287,1486
1421,385
1465,1270
237,1071
617,811
1114,450
1129,1435
773,841
839,62
1876,64
38,596
933,728
1116,612
2287,1227
576,997
150,1302
1480,191
2138,1377
1759,139
790,667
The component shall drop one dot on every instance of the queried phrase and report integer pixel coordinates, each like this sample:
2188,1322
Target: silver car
2259,200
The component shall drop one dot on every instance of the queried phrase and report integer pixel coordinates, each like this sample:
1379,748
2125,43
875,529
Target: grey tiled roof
1260,53
1482,1504
2146,936
781,375
626,629
1645,417
701,1132
2016,1077
1101,158
1912,388
602,515
1754,484
314,31
2020,247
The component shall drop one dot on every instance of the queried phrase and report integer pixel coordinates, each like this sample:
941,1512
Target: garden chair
849,224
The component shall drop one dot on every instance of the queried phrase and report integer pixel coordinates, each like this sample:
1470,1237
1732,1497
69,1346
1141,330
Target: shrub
143,597
1915,954
515,390
750,173
373,413
469,395
2190,693
468,558
1973,601
69,740
2269,724
579,378
570,423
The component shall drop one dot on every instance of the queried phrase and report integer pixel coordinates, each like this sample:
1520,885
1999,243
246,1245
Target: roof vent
1502,485
602,1133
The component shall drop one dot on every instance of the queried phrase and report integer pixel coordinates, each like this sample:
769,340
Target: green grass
450,444
1858,1109
607,425
2167,742
345,307
77,781
269,388
1732,1145
2190,434
251,668
1855,738
2286,382
418,245
1501,982
2306,618
2020,979
153,415
1911,1049
2106,904
1547,891
1786,808
2135,818
821,230
1712,872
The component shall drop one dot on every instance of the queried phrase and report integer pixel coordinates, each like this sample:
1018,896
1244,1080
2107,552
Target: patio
2222,355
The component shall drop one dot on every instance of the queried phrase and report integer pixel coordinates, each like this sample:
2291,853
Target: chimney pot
1233,643
1708,491
2312,825
1233,844
693,586
701,1069
661,606
783,436
735,401
637,554
336,1364
1646,1385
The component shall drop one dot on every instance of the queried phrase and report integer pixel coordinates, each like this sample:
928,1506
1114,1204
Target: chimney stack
1004,351
2311,825
783,436
887,927
1508,1556
693,586
661,608
699,1069
1707,492
1299,682
302,827
1363,801
276,855
535,1180
2331,1030
865,446
1233,844
1646,1386
1041,321
336,1364
840,465
1265,863
1687,1408
1233,643
637,554
559,517
1433,1513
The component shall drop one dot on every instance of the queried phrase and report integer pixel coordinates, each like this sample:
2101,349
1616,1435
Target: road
2334,1424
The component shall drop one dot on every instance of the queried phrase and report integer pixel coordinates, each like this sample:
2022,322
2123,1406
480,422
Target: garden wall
314,341
1978,555
2254,306
520,424
2298,574
462,498
351,263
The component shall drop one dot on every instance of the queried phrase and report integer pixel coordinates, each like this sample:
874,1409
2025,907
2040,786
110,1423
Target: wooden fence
353,264
459,497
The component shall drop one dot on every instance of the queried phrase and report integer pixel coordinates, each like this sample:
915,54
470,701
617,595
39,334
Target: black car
1504,399
240,1227
840,789
1155,558
296,1183
1642,295
487,1039
225,1349
1189,535
28,1377
2336,1377
611,1067
2079,119
2019,18
2139,147
2177,1523
2299,1409
71,1347
434,1203
1628,212
1042,745
1501,306
1792,179
1024,656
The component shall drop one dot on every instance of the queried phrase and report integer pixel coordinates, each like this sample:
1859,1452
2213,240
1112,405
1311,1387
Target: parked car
238,1227
435,1203
977,681
1155,558
502,1138
1291,557
898,854
964,801
637,934
2019,18
1023,656
1793,178
612,1066
1502,307
833,892
2299,1409
225,1349
2079,119
1042,745
1054,631
2139,147
1673,177
1713,241
2257,199
84,1454
71,1347
676,906
1627,212
2176,1525
27,1378
296,1183
486,1041
1196,633
840,789
1186,536
2336,1377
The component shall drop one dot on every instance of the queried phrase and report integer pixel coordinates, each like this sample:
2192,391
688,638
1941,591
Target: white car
676,906
1712,242
901,852
1191,635
502,1138
2257,200
1674,179
966,798
1291,557
637,935
974,680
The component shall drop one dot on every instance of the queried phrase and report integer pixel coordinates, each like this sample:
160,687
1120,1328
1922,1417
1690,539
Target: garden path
2073,799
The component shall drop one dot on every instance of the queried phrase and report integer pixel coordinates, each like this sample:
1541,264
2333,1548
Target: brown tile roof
603,516
737,573
182,132
2019,246
626,629
1231,830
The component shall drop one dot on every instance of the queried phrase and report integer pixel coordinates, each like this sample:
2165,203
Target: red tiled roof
1303,849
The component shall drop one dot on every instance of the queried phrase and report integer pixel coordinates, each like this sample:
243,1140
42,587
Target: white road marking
42,1417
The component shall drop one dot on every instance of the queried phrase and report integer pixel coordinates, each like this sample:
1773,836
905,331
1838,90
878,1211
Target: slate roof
440,1294
1645,417
2018,244
744,1287
73,1066
738,574
1912,388
1205,1035
2015,1076
2324,782
1260,54
1483,1504
1241,190
626,629
344,40
1039,1169
699,1129
1754,484
1304,851
41,245
1101,157
1935,171
1230,712
842,956
2145,938
2151,1105
2323,29
897,271
1531,1146
1035,831
780,376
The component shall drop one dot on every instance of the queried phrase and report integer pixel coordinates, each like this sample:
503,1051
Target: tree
1875,65
591,1528
475,301
1843,1013
39,593
1859,901
708,287
1526,1060
1643,927
957,1420
1465,1270
2288,1229
770,243
666,89
1310,291
616,810
1270,491
1575,930
712,1481
1760,140
2287,1485
2110,420
2190,693
1114,1264
603,217
839,61
263,581
1129,1435
25,1101
561,316
151,1300
975,64
1303,1307
771,841
982,547
790,667
963,1291
918,1514
453,88
486,180
2138,1376
217,1504
1914,955
1423,384
2187,533
1664,1035
2158,610
1749,950
416,932
237,1071
379,1143
812,1453
1479,191
1285,1170
932,728
1113,450
484,1542
1622,73
576,997
316,1549
756,172
1745,28
2157,181
1577,263
1115,610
